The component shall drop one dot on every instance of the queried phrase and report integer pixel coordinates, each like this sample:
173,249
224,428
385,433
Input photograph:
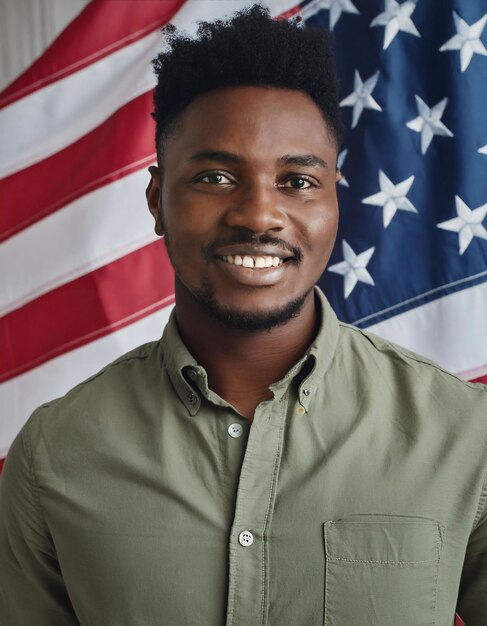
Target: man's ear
153,195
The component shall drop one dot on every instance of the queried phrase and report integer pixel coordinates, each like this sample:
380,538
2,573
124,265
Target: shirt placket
248,542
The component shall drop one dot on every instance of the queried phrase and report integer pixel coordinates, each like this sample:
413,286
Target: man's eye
213,178
298,182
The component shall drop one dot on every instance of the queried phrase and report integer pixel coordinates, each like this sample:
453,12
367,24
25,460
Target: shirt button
306,392
192,398
246,538
235,430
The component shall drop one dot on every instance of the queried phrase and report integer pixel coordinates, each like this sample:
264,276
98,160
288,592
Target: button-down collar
190,379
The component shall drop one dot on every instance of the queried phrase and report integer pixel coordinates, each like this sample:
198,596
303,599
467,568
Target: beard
246,320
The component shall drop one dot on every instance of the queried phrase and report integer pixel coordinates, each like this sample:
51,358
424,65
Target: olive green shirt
356,497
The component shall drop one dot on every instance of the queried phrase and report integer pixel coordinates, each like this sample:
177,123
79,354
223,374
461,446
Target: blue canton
413,197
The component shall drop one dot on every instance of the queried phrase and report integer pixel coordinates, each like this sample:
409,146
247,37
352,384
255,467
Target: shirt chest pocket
381,570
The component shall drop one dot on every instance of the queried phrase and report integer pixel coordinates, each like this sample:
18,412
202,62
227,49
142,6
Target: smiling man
262,464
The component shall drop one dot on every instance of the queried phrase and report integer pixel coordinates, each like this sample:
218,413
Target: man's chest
283,524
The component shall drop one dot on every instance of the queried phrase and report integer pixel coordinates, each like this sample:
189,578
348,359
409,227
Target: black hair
251,48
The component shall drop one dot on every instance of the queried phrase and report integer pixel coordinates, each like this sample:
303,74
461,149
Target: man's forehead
237,119
245,98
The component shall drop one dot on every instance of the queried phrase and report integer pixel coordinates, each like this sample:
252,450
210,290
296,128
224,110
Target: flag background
83,277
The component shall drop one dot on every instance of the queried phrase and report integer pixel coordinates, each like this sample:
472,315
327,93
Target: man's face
248,202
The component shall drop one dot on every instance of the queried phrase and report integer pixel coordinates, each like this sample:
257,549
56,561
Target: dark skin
247,161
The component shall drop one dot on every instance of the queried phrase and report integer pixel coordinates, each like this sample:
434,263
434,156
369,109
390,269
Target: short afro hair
250,49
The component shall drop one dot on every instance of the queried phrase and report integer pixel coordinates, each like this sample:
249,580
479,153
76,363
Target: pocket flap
383,539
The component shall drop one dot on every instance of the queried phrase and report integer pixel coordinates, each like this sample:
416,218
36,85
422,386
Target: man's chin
252,321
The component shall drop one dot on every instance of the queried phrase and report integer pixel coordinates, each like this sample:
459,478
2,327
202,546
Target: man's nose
258,208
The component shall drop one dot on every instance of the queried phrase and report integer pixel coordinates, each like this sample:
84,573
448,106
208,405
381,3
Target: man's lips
252,257
253,251
260,262
252,271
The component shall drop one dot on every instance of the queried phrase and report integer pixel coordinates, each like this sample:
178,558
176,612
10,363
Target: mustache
209,251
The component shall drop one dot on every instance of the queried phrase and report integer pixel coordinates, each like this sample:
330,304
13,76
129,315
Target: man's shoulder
413,392
111,385
388,358
97,418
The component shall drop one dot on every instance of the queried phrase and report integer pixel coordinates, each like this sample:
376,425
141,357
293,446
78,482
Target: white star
396,17
340,161
336,7
468,224
361,97
353,268
467,40
429,123
391,197
483,150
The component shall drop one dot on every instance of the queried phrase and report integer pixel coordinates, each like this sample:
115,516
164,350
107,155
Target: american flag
84,278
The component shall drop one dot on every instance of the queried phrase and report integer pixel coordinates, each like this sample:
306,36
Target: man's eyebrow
304,160
218,155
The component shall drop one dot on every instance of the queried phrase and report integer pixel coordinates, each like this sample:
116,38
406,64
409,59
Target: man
262,463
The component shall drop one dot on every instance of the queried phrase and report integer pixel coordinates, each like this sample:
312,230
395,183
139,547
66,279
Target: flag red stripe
289,13
482,379
86,309
105,27
98,158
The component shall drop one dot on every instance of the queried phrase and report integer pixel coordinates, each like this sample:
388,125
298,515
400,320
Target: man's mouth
254,266
254,262
264,253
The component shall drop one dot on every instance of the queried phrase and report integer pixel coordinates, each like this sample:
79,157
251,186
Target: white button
246,538
235,430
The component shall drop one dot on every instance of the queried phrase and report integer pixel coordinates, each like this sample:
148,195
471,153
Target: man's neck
241,365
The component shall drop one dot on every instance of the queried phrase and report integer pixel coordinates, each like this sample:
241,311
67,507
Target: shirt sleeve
32,590
472,600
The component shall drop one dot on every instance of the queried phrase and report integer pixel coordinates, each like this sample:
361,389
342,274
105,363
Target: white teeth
259,262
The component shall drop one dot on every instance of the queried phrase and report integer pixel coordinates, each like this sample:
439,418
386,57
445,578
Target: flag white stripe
193,11
21,395
92,231
62,112
450,331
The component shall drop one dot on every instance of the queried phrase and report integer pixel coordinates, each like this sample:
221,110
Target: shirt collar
321,352
191,382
